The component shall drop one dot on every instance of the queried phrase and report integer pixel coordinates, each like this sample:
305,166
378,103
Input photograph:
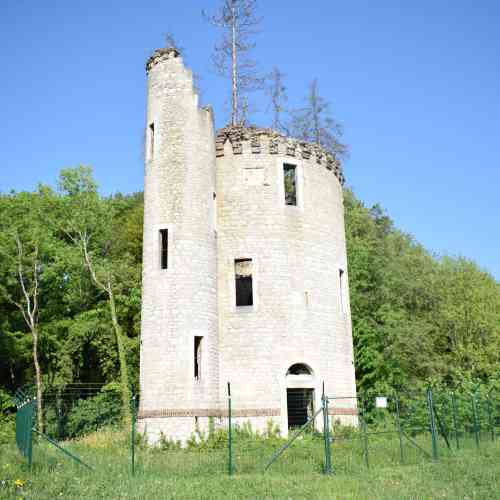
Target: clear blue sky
416,84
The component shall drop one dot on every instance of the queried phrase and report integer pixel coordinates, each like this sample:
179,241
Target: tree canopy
417,318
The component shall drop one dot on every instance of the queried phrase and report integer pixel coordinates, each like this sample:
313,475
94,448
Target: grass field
468,473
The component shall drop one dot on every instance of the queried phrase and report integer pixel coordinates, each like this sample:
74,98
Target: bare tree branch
30,312
276,90
231,56
314,123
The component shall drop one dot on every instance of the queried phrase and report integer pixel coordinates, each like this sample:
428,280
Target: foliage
77,341
7,409
88,415
417,318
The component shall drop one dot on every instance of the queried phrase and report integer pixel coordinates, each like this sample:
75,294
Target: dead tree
171,42
276,91
315,123
231,56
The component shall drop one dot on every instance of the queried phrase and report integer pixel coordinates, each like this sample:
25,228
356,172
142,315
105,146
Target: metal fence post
490,418
432,422
230,433
398,422
29,432
326,434
132,434
365,434
474,417
454,413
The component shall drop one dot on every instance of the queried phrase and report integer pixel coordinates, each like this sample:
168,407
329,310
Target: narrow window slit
164,248
243,282
341,289
290,179
151,140
197,357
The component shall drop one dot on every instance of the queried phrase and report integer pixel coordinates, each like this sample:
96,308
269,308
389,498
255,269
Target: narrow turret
179,370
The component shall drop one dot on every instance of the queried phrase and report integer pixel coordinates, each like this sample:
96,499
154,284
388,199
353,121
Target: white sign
381,402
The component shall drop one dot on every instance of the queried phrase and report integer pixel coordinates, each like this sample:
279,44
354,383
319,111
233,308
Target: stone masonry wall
296,253
223,198
179,303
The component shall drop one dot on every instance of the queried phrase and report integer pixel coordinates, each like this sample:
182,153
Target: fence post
490,418
29,421
132,434
326,434
474,417
398,421
432,422
455,426
230,431
365,434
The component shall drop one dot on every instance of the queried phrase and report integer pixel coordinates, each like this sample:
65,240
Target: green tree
28,249
89,226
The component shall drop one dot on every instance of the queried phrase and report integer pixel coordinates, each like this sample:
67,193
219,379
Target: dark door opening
300,404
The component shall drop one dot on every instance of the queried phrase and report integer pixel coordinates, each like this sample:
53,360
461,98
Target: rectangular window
151,140
243,280
164,248
290,179
341,289
197,357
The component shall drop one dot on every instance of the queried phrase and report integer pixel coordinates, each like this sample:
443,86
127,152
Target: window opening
151,140
341,289
164,248
214,211
290,179
299,369
197,357
243,281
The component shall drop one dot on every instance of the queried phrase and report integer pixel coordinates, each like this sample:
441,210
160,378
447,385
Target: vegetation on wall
417,318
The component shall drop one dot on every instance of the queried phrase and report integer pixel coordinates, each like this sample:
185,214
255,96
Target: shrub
88,415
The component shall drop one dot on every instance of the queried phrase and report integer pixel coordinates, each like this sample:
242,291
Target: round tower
283,301
179,363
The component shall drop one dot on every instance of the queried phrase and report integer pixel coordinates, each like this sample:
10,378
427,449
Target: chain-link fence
411,427
338,434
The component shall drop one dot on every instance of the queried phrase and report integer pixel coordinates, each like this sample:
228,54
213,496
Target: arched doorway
299,394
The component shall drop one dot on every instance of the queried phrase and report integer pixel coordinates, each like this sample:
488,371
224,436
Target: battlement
276,143
161,55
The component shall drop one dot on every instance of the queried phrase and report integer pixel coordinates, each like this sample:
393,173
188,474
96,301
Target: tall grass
201,471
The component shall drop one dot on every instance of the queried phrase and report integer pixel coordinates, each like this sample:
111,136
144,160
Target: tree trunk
107,287
38,378
122,358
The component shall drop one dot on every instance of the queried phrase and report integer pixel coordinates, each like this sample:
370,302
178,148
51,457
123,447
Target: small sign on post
381,402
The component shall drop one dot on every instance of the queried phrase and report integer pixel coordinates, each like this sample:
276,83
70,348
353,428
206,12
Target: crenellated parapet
161,55
265,140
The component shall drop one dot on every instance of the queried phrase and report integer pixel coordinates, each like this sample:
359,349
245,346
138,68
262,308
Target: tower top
273,142
161,55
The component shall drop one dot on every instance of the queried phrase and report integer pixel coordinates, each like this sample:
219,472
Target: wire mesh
366,430
410,427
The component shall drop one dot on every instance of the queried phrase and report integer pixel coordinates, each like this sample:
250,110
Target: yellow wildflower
19,483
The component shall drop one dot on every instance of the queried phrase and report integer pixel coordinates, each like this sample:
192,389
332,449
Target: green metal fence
26,405
25,418
341,435
410,427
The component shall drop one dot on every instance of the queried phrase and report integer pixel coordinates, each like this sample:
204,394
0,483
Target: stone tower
245,269
179,304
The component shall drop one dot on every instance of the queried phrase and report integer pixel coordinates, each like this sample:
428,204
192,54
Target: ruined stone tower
245,269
